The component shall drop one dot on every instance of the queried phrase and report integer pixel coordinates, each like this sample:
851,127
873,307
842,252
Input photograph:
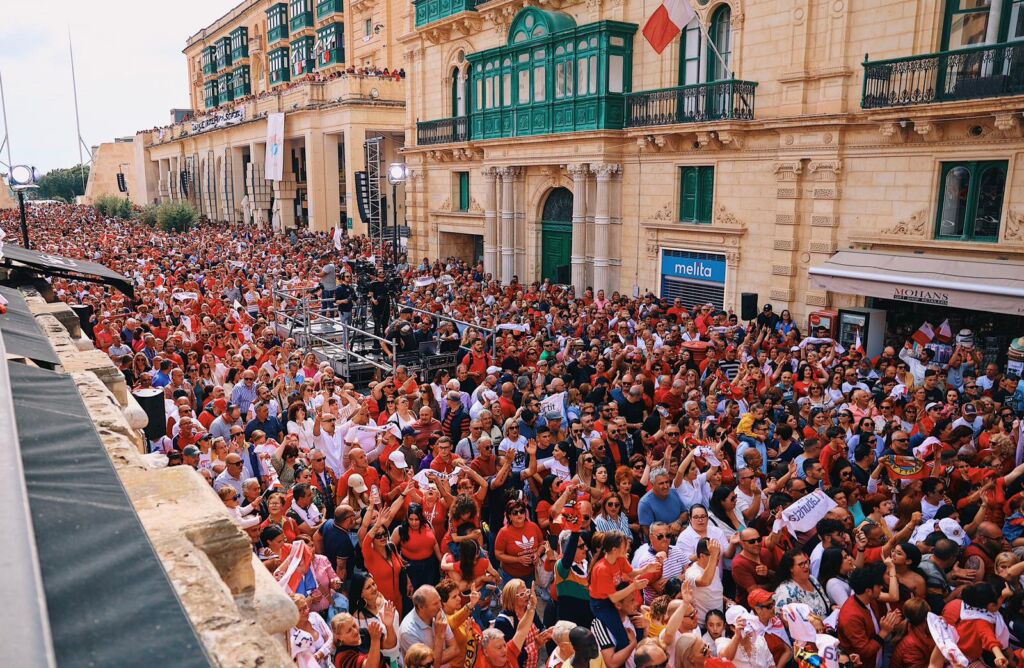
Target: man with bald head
358,463
980,555
335,539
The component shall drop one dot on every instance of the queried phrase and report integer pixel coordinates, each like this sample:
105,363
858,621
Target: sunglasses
516,511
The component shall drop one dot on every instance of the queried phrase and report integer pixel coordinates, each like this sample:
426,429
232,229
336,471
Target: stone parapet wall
241,614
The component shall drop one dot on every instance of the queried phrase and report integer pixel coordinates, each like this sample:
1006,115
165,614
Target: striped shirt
676,560
243,396
605,640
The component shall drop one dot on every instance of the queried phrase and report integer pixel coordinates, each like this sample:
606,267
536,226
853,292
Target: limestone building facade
766,137
333,67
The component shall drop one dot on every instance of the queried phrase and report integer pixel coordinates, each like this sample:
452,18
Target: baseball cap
493,369
408,431
969,409
552,415
356,482
933,405
203,436
954,531
398,459
191,450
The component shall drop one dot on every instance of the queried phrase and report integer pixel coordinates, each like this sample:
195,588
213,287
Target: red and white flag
924,334
945,332
858,347
667,21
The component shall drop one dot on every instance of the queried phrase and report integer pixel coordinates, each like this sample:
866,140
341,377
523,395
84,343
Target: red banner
906,468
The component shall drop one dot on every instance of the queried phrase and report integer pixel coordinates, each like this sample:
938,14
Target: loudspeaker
748,305
152,401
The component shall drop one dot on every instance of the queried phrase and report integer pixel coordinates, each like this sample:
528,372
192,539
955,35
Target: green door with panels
556,236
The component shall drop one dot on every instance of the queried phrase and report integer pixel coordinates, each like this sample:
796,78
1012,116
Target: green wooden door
556,236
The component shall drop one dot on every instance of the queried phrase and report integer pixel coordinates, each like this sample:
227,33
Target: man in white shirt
934,490
330,440
832,533
707,582
671,557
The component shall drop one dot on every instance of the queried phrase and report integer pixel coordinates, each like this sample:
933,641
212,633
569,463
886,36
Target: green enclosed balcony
428,11
278,66
239,44
211,94
240,82
210,60
330,45
277,23
325,8
712,101
226,88
223,53
301,13
991,70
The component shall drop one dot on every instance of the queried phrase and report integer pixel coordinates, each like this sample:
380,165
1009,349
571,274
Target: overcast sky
128,63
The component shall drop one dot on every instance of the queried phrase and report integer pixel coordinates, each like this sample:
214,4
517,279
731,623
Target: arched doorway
556,236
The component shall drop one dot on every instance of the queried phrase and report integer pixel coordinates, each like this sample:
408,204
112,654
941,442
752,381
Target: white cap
398,459
953,531
493,369
489,395
356,482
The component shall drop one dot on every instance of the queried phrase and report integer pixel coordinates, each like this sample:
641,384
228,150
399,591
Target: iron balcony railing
442,131
991,70
729,99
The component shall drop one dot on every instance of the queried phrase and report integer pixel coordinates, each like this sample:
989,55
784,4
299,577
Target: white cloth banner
803,514
275,147
798,618
707,454
424,281
426,477
185,296
946,637
337,238
555,402
515,327
828,649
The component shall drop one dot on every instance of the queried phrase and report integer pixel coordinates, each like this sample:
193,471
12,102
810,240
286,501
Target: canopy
109,599
991,285
63,266
22,337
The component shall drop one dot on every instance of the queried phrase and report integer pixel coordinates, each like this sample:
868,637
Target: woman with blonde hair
691,651
419,656
310,640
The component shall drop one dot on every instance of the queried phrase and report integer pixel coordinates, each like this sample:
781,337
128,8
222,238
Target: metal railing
991,70
442,131
730,99
488,333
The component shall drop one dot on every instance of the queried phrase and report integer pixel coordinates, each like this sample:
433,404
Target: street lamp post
22,178
398,172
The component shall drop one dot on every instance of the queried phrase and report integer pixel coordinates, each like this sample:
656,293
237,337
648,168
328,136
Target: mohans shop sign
920,296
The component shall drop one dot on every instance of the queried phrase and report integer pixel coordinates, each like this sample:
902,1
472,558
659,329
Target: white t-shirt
561,471
689,538
698,491
707,598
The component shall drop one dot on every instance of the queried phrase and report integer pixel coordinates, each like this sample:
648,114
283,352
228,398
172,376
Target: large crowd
601,480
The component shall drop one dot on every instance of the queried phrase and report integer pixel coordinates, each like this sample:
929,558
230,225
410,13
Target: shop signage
218,121
920,296
702,269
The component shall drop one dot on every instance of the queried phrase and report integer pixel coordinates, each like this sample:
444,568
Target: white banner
828,649
427,477
797,618
803,514
555,402
275,147
946,637
217,121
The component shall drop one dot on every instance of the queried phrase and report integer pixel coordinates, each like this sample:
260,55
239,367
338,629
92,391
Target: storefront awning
994,285
63,266
22,337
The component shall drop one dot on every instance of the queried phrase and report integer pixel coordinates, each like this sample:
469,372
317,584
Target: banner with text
803,515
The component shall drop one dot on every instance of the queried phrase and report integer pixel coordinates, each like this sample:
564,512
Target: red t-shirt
605,577
519,542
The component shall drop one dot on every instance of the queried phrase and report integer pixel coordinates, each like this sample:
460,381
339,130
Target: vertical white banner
275,147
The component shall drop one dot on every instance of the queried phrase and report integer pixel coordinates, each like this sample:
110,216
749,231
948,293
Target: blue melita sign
694,269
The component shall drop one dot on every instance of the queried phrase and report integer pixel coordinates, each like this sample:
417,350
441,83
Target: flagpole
7,129
78,123
711,43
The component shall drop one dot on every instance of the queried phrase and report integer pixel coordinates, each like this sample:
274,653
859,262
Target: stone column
578,172
508,243
519,207
615,228
602,233
490,175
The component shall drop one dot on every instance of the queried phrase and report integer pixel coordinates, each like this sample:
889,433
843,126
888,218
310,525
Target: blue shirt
161,379
652,509
747,442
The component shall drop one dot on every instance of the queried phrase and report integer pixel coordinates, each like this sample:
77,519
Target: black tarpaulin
109,599
65,266
21,335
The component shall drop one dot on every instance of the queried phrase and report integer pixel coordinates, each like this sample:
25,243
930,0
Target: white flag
275,147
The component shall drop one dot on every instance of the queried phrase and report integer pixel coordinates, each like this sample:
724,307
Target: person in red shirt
346,638
864,625
611,567
495,652
916,647
975,615
518,543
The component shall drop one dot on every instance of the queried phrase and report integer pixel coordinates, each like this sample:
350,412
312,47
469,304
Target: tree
63,184
176,216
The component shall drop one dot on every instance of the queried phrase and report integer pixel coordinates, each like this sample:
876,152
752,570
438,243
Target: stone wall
239,612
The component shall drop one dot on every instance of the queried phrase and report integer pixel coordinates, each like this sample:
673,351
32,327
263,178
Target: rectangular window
506,89
971,200
463,191
581,85
540,83
697,185
368,27
615,74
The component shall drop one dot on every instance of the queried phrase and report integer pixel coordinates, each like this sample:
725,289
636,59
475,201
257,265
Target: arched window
458,93
721,36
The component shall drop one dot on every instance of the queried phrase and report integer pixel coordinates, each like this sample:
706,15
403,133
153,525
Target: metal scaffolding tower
375,212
